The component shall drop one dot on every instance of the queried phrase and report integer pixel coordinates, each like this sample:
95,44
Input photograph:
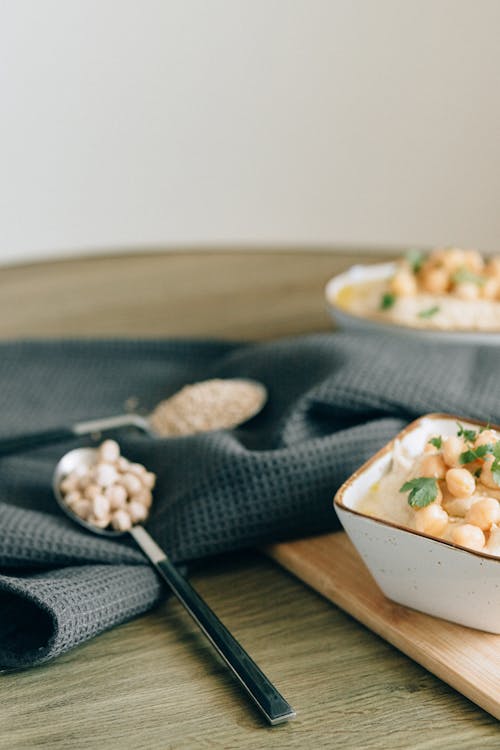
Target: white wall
180,122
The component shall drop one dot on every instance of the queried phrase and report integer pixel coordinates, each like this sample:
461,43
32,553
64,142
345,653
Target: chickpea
435,280
458,506
490,289
105,475
473,261
91,491
486,437
72,497
484,513
432,465
121,521
467,535
492,268
137,511
493,545
149,480
123,464
131,482
487,474
460,482
84,483
70,483
137,469
453,446
145,497
109,451
403,284
449,258
82,508
431,520
100,506
467,290
101,522
117,496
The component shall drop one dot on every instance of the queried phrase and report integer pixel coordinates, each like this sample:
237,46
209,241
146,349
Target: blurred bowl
357,323
420,571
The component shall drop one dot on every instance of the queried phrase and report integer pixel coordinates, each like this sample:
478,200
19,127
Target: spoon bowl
79,458
20,443
260,689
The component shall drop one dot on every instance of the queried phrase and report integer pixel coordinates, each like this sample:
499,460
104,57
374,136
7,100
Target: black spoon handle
272,704
30,440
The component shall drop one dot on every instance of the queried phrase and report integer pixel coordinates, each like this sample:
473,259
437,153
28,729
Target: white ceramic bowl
377,272
416,570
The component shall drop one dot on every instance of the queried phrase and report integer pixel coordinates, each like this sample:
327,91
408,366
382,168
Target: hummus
440,493
447,289
424,310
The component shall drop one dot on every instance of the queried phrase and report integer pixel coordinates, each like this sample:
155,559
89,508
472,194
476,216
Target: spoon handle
29,440
26,442
272,704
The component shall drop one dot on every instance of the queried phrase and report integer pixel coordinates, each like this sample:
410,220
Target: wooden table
154,683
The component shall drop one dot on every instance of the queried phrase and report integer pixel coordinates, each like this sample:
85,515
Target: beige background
232,122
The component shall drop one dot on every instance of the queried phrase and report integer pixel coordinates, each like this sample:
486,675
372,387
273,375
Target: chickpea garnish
460,482
484,513
467,535
432,465
453,447
431,520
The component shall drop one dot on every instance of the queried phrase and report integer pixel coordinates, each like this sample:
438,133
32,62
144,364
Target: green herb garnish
423,491
463,275
415,259
473,453
436,442
429,312
495,466
477,473
387,301
468,435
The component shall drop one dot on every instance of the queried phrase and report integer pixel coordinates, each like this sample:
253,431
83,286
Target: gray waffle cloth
333,400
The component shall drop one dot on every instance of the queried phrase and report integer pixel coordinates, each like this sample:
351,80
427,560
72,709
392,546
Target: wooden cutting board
468,660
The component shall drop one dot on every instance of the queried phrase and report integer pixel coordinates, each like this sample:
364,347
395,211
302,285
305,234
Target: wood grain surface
154,683
466,659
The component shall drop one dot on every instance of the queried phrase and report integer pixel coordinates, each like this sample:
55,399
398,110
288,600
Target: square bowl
425,573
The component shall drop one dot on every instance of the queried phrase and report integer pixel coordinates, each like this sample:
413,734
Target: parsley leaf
480,452
387,301
436,442
463,275
429,312
423,491
468,435
495,466
415,258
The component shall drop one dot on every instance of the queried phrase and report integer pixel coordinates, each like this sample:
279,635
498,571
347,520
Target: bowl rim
381,324
338,500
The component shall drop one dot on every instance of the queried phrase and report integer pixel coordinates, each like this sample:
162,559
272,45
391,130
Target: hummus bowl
418,570
454,321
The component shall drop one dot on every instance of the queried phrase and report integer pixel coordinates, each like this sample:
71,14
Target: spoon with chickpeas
214,404
109,495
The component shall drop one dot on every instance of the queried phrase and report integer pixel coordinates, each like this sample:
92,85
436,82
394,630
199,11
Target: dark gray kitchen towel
333,400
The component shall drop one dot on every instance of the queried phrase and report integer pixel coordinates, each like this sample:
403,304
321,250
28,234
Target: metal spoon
27,441
267,698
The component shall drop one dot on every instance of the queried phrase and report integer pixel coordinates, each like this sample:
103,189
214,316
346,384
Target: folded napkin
334,399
